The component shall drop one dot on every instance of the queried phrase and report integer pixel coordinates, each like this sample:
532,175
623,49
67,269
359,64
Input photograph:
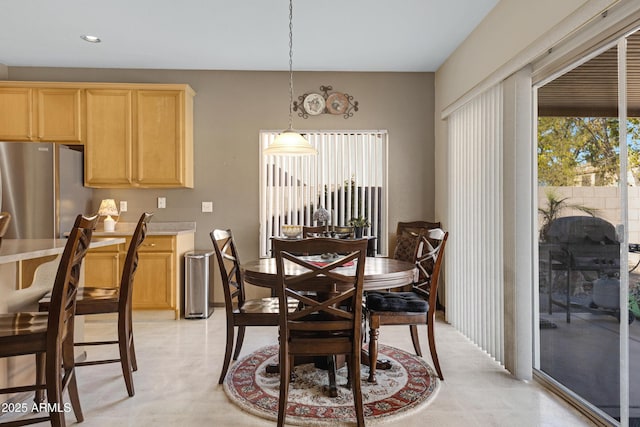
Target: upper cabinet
139,137
134,135
164,147
47,114
108,147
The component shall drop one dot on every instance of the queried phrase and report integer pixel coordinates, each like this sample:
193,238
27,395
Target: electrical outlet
162,202
207,206
123,206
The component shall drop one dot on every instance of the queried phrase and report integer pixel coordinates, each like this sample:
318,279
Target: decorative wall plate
337,103
314,104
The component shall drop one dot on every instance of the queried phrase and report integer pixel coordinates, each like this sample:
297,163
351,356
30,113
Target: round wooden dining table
379,273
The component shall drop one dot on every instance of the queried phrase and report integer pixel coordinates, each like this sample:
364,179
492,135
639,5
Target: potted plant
358,225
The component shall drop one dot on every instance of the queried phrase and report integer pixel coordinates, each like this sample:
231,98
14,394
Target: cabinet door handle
150,244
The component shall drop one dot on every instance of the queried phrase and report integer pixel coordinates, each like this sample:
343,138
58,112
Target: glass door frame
622,231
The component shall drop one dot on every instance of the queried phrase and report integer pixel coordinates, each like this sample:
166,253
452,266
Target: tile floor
179,364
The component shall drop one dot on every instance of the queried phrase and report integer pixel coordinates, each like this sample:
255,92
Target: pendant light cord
290,64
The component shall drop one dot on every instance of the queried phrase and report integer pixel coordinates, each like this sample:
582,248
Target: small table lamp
108,208
322,215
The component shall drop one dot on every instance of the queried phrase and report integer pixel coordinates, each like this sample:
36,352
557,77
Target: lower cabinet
102,266
155,271
157,284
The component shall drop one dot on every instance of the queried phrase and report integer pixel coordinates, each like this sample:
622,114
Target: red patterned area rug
410,385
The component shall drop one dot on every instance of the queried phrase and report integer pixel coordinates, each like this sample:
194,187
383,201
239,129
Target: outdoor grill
580,243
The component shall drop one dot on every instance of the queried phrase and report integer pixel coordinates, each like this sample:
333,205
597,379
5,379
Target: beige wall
508,29
231,107
514,32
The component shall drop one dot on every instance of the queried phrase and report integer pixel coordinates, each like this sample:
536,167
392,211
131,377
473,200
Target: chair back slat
131,262
429,264
416,242
229,266
329,293
65,286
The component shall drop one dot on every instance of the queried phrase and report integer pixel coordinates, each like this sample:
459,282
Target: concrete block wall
605,199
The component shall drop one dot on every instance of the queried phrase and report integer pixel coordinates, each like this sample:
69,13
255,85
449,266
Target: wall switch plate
123,206
162,202
207,206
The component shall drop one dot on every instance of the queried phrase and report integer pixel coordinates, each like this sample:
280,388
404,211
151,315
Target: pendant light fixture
290,142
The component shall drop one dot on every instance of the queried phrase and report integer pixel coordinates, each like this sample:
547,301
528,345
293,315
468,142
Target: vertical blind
474,266
348,178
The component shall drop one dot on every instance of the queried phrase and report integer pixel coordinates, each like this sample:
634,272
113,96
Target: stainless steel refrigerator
41,186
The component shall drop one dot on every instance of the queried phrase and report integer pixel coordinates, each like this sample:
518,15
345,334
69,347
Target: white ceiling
329,35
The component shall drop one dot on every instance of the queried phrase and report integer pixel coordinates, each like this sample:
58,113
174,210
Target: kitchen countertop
153,229
12,250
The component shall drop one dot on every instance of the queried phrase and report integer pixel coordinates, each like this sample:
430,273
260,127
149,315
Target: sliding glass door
589,211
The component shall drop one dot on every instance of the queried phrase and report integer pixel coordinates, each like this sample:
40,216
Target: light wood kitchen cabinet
158,280
16,113
134,135
103,266
153,287
108,147
161,146
46,114
139,138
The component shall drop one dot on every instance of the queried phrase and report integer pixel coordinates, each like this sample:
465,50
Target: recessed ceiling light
90,39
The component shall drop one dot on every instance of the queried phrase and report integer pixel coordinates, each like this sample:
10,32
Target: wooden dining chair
406,238
5,219
50,335
406,246
329,294
413,308
101,300
241,312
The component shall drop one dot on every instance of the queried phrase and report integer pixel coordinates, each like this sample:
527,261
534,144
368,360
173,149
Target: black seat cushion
396,301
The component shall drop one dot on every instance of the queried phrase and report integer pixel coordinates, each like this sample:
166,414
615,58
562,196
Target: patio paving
583,355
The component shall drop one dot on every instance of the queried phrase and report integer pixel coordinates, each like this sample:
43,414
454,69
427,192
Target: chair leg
132,352
331,370
356,387
239,342
132,348
54,390
373,353
68,364
227,352
285,368
415,339
432,349
40,377
125,354
74,397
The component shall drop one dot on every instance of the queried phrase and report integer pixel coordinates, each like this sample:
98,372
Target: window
348,177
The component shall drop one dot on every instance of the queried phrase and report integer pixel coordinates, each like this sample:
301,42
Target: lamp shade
290,143
108,207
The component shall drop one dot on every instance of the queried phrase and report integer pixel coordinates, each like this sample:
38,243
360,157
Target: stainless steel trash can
198,291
